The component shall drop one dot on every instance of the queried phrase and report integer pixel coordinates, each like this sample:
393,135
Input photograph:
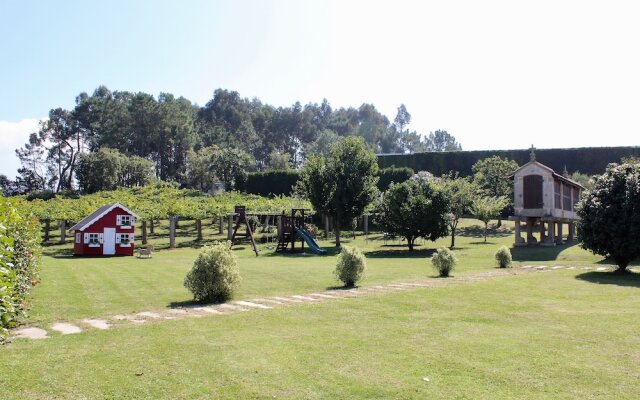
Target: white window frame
93,239
78,237
121,236
125,217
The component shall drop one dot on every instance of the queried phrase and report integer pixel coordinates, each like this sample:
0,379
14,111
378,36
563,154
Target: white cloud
12,136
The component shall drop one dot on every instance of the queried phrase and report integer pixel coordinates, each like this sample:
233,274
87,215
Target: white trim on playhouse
101,212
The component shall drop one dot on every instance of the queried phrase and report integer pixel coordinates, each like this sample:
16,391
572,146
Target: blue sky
495,74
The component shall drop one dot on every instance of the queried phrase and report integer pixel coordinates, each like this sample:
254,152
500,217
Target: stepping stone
149,314
169,317
526,266
268,301
251,304
571,267
397,287
137,321
324,296
557,267
286,299
209,310
304,298
419,285
231,307
97,323
179,311
30,333
121,317
65,328
541,268
602,268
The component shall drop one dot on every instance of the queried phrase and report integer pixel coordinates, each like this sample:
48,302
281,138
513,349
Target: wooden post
47,229
365,224
63,231
230,226
144,231
326,227
199,229
221,225
152,227
172,232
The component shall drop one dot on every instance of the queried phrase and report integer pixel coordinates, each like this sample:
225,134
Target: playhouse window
93,239
124,239
125,220
78,238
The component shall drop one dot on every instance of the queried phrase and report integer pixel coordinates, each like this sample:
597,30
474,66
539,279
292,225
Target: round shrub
351,265
214,275
503,257
444,261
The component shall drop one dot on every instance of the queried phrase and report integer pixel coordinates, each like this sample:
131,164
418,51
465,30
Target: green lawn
554,334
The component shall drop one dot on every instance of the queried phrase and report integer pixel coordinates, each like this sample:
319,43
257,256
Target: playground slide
310,242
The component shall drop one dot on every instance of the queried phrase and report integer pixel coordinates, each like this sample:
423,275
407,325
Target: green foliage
344,184
19,260
461,193
441,141
413,209
492,176
583,179
588,160
444,261
503,257
108,169
268,183
215,274
231,167
487,208
386,176
351,265
610,215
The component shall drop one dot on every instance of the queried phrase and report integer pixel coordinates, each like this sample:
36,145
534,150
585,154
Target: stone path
268,303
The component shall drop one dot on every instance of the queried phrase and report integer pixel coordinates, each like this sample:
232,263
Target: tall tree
442,141
342,185
461,193
486,208
492,176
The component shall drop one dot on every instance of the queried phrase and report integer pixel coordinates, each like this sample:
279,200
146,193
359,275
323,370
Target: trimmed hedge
588,160
395,175
275,182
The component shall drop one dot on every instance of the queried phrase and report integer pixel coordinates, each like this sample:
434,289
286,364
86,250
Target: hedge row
267,183
19,250
588,160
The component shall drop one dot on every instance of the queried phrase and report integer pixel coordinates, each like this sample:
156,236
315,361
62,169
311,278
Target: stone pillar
530,238
230,226
571,233
559,234
519,240
365,224
551,233
543,233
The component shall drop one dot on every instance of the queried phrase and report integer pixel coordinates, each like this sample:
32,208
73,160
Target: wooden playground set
291,228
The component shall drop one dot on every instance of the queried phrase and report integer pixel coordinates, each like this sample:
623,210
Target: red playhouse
108,231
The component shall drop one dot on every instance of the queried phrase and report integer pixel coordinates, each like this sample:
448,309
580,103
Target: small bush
503,257
351,266
444,261
214,275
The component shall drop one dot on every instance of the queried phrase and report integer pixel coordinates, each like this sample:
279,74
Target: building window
93,239
557,195
124,239
78,238
124,221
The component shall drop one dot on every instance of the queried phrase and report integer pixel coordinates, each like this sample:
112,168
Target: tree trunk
151,227
486,229
410,240
326,227
172,232
63,231
199,229
220,225
47,229
336,230
453,237
144,231
499,222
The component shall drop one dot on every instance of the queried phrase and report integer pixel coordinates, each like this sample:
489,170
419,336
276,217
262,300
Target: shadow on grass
611,278
193,303
400,253
539,253
477,231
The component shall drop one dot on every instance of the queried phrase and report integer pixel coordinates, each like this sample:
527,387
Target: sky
495,74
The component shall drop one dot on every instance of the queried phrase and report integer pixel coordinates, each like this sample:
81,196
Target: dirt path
266,303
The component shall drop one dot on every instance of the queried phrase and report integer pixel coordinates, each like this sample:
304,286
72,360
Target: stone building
544,200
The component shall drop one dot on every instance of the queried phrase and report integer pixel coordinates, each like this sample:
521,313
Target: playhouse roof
554,173
97,214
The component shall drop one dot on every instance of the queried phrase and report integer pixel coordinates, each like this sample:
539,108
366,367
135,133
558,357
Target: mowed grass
557,335
79,287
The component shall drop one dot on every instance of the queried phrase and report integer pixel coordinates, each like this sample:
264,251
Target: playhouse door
109,245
